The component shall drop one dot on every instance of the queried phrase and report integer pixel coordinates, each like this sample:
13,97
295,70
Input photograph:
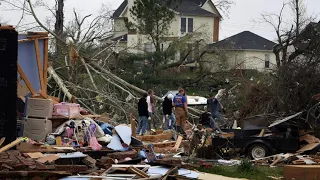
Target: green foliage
256,173
245,166
153,18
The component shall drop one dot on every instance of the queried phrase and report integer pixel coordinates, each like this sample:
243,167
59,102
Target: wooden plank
133,126
2,140
24,174
138,172
26,80
12,144
127,165
178,143
40,71
155,138
309,139
276,161
6,27
308,147
45,64
32,39
262,132
35,155
49,158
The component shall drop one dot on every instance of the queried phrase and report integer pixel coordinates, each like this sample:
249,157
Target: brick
71,168
89,161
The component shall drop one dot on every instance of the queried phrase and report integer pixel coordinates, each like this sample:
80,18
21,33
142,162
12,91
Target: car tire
258,150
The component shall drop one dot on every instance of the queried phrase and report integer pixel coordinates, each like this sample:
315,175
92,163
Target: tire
258,150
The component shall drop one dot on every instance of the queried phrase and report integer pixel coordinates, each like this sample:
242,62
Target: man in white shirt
151,107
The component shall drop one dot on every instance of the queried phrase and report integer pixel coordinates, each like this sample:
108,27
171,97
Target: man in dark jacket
143,115
168,116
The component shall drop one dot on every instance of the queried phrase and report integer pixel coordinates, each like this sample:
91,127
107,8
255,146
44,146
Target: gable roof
120,9
186,7
245,40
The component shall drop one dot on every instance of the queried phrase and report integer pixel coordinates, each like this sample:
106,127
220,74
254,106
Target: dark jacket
143,107
167,106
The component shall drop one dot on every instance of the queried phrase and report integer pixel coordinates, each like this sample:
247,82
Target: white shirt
149,103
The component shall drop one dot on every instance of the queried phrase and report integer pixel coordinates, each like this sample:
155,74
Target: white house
245,50
190,16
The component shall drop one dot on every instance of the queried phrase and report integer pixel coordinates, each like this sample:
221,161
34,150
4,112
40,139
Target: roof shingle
186,7
245,40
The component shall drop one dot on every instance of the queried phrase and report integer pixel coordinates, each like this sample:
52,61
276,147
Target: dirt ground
206,176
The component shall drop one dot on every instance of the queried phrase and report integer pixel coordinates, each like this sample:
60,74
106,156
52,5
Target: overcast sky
243,16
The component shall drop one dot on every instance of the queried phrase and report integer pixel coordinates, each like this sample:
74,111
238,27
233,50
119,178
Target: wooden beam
133,126
26,80
45,64
27,40
40,72
12,144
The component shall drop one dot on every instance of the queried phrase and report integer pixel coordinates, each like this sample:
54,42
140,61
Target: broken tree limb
60,83
125,83
89,73
116,78
109,80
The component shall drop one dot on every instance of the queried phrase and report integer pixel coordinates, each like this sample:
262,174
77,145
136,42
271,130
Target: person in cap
168,116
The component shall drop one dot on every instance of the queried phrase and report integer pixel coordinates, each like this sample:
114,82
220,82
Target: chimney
216,28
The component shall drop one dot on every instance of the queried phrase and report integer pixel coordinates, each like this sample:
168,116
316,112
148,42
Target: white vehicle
191,100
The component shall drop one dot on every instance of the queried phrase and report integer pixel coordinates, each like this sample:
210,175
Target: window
183,25
186,25
148,47
267,61
190,24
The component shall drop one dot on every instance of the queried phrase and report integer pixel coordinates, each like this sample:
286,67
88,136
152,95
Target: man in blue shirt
181,109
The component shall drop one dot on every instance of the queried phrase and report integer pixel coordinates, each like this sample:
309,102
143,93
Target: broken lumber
178,143
20,174
12,144
122,155
138,172
262,132
72,168
155,138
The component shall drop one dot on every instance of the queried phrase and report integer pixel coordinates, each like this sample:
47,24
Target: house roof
244,40
120,9
186,7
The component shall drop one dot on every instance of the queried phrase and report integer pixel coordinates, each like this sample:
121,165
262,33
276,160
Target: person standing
181,110
168,116
143,115
214,107
151,108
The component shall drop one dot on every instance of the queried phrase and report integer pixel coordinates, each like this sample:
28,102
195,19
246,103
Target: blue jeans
170,122
143,125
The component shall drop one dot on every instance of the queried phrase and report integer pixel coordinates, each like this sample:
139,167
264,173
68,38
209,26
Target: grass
246,171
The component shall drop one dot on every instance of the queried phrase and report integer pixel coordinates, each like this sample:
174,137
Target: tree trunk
58,27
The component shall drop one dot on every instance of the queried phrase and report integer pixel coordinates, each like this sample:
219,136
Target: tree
286,34
153,18
58,26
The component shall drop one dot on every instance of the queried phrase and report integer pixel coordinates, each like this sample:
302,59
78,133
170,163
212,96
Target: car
191,100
